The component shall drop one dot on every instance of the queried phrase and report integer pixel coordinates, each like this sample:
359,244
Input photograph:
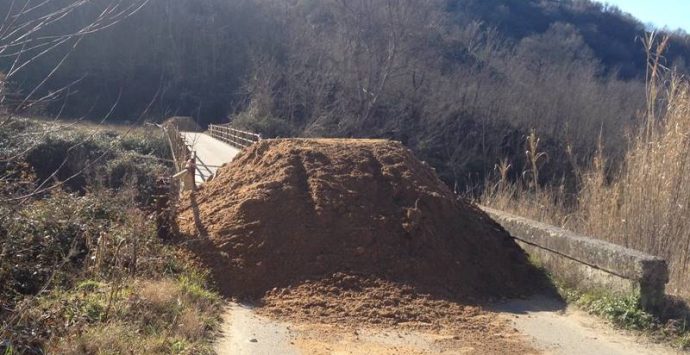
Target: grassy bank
672,326
82,265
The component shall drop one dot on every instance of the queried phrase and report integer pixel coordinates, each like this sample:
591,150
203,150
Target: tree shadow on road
543,302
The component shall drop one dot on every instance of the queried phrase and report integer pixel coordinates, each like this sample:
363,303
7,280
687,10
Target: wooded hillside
459,81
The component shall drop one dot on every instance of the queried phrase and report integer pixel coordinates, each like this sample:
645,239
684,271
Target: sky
671,13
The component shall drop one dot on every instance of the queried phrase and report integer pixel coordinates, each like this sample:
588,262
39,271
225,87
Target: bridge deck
210,151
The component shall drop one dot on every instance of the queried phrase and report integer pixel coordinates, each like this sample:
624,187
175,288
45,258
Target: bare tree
31,30
460,95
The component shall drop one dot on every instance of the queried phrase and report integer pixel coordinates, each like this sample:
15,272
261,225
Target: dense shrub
73,264
131,170
83,157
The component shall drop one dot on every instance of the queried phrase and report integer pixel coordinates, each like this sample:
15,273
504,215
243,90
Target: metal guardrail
235,137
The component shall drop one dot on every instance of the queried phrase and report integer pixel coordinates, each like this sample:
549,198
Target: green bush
72,255
146,142
12,136
53,235
69,158
134,171
83,158
624,312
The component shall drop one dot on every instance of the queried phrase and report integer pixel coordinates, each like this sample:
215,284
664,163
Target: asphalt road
555,328
549,325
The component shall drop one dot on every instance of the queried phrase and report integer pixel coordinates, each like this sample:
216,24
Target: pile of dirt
288,211
347,299
183,123
354,305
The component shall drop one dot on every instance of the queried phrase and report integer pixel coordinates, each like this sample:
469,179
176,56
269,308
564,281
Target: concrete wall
587,263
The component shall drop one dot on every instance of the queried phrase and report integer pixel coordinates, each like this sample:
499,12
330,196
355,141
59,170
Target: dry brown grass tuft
156,317
647,207
190,325
170,304
159,294
116,338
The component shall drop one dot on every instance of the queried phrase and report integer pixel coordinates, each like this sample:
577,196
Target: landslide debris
340,313
290,212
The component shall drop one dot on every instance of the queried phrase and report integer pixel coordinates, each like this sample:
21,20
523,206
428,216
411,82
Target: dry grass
644,204
177,306
153,317
115,338
159,295
87,272
190,325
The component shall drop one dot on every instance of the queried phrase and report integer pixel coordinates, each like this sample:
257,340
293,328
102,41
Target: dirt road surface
555,328
543,322
245,332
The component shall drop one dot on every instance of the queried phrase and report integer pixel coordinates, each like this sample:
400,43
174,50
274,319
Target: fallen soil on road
246,331
355,314
352,300
290,210
351,232
327,340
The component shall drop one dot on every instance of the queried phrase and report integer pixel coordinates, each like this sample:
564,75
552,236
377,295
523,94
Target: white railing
182,151
235,137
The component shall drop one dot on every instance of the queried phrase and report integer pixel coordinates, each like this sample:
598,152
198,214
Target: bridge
590,263
593,263
211,150
211,153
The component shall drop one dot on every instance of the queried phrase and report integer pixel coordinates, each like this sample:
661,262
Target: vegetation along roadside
82,266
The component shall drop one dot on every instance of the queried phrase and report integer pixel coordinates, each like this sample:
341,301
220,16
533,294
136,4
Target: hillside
203,60
460,82
614,36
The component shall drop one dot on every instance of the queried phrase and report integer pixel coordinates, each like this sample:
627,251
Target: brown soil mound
290,210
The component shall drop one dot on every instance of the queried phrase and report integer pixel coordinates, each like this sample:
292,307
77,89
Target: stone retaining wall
587,263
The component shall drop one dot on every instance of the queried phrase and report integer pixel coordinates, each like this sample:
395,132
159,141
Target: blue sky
671,13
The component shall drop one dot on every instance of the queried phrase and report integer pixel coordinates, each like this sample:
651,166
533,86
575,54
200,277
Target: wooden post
163,208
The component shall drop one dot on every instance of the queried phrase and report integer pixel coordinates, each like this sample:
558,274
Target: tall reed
643,204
